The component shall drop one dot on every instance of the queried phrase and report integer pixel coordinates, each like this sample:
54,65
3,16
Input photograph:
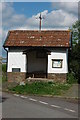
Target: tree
74,55
75,32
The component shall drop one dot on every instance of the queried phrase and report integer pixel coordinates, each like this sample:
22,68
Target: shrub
4,67
4,77
71,78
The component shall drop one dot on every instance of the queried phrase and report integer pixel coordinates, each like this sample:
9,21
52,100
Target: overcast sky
22,15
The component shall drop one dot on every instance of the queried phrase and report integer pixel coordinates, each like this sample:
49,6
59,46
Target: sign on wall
56,63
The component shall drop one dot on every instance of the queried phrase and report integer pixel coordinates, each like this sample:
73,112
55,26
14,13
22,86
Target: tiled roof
51,38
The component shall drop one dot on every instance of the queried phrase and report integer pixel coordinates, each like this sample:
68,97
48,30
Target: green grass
4,78
41,88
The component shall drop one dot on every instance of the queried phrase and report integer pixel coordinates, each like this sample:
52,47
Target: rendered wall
19,60
58,55
16,60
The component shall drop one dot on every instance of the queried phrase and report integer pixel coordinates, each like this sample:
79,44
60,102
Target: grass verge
4,77
41,88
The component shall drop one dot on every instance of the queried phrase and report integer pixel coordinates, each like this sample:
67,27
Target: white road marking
23,96
69,110
32,99
16,95
43,102
55,106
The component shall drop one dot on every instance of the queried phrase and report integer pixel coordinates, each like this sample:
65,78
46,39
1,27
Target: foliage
0,79
74,54
75,32
41,88
0,67
4,67
4,77
71,78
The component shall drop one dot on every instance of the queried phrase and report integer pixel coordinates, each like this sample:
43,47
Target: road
19,106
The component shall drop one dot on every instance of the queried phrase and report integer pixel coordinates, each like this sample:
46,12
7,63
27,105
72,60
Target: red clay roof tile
36,38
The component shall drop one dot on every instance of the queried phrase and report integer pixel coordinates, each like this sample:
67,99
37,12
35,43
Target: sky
22,15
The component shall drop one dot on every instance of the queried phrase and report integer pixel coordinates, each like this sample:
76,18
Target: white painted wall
16,60
58,55
36,64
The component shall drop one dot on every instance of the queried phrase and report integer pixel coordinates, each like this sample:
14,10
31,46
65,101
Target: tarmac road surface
20,106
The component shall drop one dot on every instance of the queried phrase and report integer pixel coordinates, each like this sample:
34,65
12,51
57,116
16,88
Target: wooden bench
36,74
